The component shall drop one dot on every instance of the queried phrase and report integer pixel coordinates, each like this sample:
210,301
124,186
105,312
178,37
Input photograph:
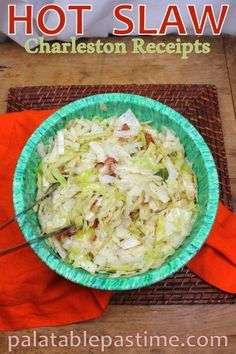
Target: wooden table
17,68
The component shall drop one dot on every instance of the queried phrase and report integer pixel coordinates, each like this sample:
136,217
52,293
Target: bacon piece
61,169
94,207
149,138
99,165
111,173
95,224
94,238
125,127
133,215
109,161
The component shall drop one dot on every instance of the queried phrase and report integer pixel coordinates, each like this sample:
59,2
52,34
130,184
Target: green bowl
24,186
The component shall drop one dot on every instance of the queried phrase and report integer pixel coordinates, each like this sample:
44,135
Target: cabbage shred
129,190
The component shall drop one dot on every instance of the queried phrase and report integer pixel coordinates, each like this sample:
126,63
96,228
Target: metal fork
66,231
51,189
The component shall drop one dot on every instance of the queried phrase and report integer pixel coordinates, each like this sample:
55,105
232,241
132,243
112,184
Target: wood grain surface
17,68
182,321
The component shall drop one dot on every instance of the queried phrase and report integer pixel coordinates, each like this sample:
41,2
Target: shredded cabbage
129,190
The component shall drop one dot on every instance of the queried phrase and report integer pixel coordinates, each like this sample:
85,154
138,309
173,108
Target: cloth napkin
31,295
216,261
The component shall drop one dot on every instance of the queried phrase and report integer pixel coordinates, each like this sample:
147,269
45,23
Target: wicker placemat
199,104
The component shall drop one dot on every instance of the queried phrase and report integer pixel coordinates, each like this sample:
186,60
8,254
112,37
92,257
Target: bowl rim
97,281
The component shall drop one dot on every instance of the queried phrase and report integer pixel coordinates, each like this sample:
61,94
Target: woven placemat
199,104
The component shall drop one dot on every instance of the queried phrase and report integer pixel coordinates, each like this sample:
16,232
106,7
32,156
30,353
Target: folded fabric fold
216,261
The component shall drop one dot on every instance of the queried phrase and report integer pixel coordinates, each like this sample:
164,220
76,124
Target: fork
50,190
66,231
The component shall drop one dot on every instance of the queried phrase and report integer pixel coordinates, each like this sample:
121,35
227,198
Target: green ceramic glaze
24,186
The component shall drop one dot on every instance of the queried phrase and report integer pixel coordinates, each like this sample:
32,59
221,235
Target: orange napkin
216,261
31,295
